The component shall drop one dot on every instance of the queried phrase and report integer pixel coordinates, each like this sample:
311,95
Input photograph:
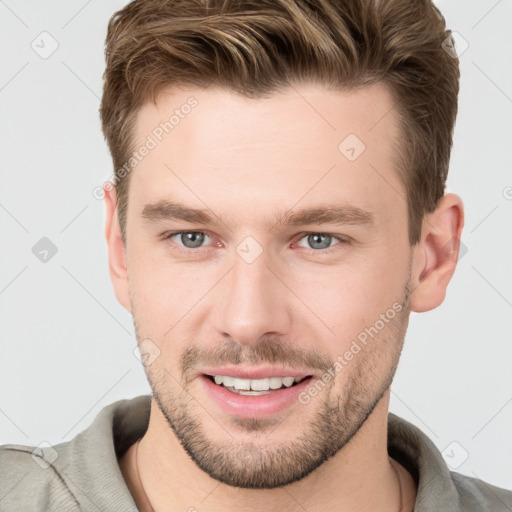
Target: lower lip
250,406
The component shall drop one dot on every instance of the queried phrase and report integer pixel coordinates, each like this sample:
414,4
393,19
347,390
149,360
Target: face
267,244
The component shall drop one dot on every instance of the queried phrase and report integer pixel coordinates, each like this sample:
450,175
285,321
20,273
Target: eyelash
342,239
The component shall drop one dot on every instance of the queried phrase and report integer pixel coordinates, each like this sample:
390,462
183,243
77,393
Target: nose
253,302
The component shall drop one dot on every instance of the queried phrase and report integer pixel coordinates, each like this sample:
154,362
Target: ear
116,248
436,254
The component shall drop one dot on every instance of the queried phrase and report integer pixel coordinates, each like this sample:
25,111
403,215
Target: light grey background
67,345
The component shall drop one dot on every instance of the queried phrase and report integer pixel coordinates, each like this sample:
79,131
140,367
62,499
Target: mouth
264,396
255,387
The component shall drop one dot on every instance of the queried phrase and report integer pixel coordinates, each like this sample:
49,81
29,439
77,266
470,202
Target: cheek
170,300
349,292
350,298
154,276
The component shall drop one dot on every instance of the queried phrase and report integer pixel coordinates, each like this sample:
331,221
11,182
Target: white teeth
250,393
227,381
242,384
260,384
275,382
264,384
288,381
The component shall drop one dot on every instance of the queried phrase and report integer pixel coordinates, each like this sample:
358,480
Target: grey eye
319,240
191,240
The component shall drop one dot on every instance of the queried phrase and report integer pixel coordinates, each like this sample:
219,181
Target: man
277,211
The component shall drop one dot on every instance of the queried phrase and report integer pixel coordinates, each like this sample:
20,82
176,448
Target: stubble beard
260,465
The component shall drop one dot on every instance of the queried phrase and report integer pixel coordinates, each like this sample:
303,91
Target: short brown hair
256,47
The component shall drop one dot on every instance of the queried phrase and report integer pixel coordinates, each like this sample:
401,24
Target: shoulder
439,488
476,494
80,474
29,481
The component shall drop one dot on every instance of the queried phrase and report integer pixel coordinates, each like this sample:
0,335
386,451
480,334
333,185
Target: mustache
270,350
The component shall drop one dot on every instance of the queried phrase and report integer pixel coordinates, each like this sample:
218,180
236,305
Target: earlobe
116,248
435,256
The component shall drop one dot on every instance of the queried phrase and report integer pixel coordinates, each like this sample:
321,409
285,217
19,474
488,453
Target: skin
248,162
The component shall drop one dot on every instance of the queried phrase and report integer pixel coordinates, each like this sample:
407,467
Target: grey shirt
83,474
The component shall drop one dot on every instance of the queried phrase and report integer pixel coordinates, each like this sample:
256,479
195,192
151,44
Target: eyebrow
338,214
343,214
167,210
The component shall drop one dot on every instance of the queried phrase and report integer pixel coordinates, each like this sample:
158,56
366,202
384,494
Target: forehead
305,143
312,110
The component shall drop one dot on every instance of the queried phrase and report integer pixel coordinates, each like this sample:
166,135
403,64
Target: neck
361,476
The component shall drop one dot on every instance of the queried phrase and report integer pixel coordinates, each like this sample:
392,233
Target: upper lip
260,372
